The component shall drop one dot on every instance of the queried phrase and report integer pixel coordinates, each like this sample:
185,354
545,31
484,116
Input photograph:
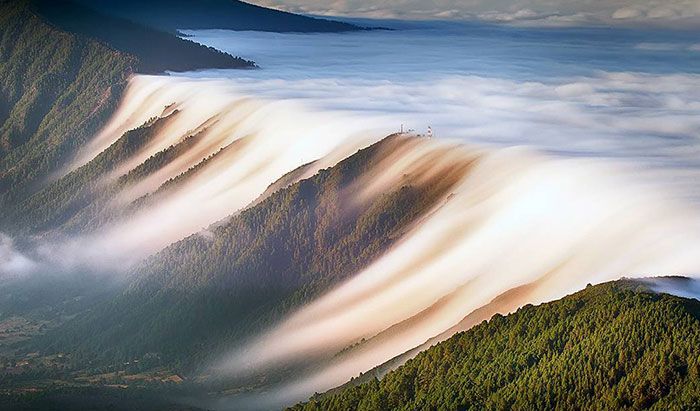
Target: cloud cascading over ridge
297,110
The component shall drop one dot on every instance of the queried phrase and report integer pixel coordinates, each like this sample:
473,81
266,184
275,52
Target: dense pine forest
611,346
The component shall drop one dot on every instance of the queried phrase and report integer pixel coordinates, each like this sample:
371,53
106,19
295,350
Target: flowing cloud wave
243,145
672,13
516,219
621,169
325,105
301,109
649,122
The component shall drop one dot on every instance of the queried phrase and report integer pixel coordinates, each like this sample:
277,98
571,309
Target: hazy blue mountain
171,15
156,50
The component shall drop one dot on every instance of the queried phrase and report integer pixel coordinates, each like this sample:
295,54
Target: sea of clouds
615,94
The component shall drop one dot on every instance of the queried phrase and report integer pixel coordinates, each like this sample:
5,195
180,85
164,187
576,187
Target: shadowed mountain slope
171,15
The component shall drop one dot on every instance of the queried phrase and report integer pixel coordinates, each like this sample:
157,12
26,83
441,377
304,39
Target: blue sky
660,13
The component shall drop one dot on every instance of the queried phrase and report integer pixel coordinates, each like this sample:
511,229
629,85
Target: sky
660,13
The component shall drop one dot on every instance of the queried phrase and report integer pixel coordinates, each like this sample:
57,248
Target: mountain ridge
507,362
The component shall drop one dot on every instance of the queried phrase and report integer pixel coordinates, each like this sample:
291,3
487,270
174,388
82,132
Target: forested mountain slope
82,195
612,346
171,15
62,72
243,274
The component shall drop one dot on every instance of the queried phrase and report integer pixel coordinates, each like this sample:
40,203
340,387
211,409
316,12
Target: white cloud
681,286
625,13
655,47
662,13
659,46
673,13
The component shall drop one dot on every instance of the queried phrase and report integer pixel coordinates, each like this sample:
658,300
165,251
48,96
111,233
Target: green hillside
612,346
